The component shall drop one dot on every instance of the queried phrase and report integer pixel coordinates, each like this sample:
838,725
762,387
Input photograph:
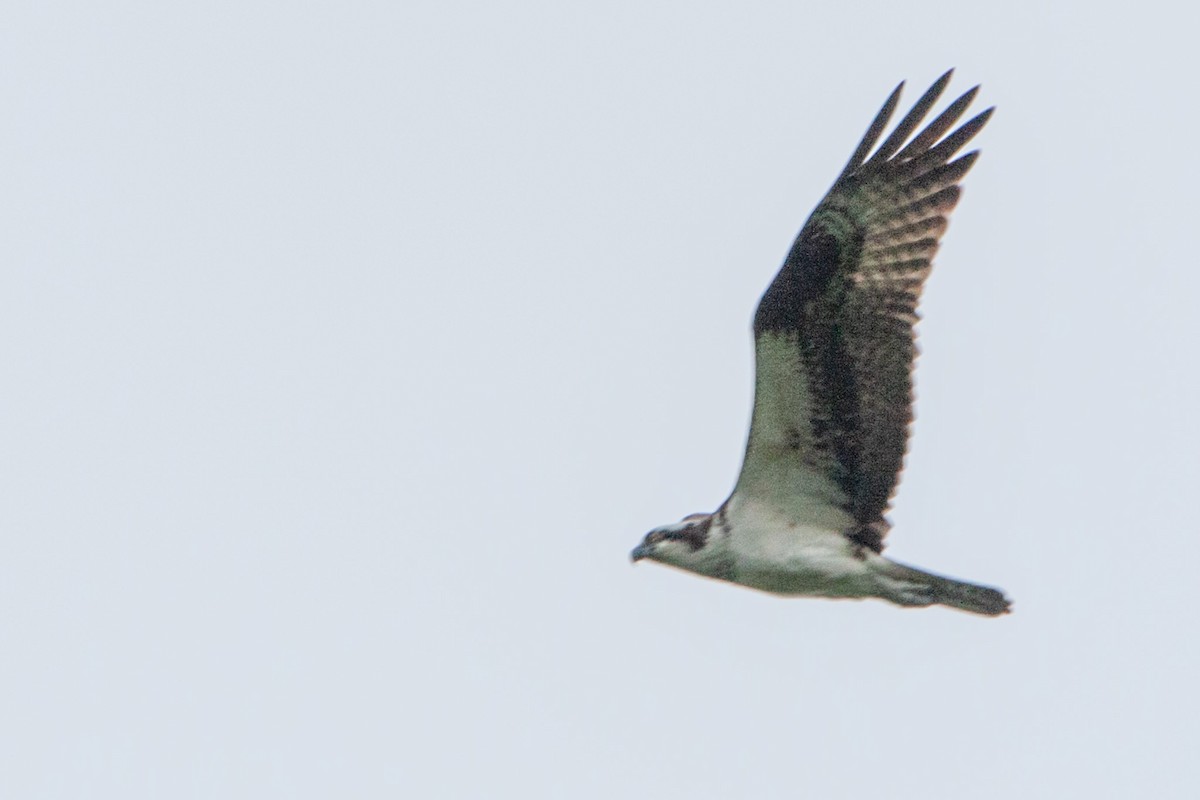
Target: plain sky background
346,349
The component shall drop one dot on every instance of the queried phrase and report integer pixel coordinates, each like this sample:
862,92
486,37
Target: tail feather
909,586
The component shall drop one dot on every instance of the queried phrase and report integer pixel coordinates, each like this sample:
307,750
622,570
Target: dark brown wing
834,338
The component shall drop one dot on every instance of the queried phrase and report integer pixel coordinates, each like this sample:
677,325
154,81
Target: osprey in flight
834,351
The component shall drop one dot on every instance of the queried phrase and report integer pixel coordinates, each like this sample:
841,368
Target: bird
835,347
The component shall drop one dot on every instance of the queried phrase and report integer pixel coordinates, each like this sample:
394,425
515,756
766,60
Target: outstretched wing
834,338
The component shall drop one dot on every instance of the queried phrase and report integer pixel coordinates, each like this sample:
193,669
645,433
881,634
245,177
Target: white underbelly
774,553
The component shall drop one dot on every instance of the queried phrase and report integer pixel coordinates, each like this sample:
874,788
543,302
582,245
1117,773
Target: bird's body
805,560
834,347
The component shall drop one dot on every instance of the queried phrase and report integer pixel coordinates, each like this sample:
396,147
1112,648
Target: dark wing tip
894,148
873,133
923,141
910,122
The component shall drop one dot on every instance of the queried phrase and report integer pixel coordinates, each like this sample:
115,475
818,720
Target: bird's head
677,544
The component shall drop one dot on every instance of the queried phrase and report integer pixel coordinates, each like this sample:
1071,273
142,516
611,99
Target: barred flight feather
845,303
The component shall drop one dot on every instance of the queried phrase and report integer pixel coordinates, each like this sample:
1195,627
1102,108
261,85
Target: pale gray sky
347,349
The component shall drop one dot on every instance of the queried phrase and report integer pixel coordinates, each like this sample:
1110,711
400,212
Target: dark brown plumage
846,301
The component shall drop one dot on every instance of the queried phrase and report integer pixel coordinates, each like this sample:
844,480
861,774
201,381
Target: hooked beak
639,552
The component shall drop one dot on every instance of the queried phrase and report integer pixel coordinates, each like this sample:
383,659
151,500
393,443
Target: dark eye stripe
693,535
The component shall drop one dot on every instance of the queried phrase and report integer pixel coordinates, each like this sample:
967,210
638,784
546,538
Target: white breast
794,554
